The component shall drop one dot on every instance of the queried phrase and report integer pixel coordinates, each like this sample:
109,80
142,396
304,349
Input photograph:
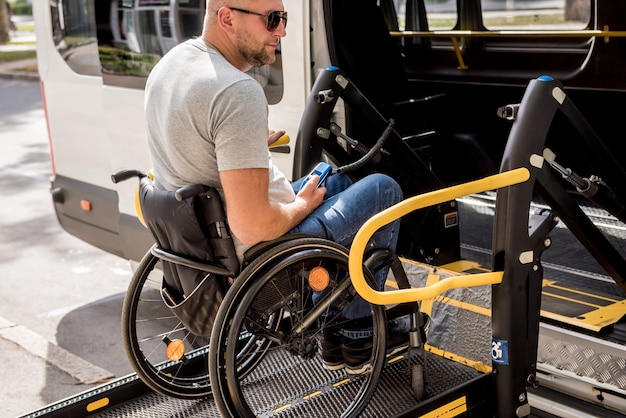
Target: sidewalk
15,70
20,41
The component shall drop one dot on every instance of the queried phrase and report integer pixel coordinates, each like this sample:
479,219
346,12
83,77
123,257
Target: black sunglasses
273,18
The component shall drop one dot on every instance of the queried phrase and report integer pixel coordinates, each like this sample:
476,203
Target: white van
94,57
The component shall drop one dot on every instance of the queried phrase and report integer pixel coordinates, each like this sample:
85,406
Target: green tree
4,23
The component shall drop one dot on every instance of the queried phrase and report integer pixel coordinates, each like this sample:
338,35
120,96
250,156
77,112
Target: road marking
36,344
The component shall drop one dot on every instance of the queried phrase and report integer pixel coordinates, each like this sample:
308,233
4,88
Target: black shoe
397,342
357,354
332,356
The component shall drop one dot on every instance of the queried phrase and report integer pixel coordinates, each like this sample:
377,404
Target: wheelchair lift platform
581,352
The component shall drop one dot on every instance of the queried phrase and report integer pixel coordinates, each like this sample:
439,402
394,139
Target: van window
122,40
440,14
498,14
536,15
74,35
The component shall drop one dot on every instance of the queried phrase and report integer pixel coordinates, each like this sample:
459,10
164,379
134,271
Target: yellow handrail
355,261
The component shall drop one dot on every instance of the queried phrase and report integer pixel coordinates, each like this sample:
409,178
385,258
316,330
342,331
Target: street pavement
60,298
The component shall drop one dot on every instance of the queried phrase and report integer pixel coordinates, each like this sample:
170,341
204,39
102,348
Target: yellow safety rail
357,251
455,35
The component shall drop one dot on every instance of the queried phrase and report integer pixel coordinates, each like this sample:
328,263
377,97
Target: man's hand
274,136
312,194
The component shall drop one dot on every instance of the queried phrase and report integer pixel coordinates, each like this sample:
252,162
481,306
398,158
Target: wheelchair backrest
193,228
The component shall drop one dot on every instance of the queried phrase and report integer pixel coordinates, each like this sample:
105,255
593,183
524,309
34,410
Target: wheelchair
272,327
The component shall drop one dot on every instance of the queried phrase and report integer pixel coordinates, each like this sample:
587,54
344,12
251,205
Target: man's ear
225,19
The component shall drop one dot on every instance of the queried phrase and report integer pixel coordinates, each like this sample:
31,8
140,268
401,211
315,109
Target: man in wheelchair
208,124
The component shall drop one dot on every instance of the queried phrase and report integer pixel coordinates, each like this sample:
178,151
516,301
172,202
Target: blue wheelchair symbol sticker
499,351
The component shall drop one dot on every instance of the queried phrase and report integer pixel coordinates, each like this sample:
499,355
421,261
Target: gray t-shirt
204,116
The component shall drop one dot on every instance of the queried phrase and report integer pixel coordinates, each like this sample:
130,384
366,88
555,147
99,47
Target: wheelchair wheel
271,303
168,358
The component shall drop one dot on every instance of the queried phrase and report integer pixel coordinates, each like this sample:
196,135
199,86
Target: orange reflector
175,350
100,403
319,278
85,205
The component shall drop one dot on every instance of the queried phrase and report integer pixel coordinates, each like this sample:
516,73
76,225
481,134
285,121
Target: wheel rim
285,378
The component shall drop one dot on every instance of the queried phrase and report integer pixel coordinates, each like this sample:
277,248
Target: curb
16,69
19,75
83,371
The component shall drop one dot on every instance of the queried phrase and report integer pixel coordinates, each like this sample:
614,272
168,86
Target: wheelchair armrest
190,190
191,263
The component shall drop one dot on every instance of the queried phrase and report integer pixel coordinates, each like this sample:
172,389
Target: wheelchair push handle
123,175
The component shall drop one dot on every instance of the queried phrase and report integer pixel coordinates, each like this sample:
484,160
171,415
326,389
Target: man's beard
257,58
254,57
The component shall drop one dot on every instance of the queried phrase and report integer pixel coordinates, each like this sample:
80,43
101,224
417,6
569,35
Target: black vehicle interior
422,119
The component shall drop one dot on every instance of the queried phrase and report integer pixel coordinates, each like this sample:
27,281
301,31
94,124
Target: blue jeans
345,209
